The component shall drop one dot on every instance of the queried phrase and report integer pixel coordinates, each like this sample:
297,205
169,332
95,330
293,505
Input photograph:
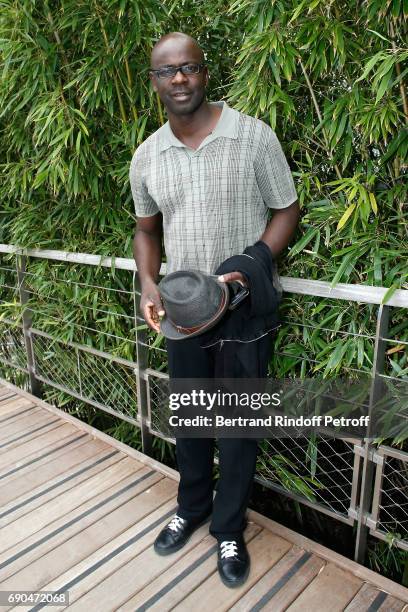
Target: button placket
196,159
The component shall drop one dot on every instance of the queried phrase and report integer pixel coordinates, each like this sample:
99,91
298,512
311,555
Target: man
207,179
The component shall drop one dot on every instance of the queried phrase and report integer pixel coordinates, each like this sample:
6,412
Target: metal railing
354,481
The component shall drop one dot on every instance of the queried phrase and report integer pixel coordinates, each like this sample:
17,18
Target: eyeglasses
171,71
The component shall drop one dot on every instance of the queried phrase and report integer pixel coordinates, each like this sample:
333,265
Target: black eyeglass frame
177,68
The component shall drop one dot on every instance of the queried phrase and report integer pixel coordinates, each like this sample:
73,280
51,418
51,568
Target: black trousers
237,456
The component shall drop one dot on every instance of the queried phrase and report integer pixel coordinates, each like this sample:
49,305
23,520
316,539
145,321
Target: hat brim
172,333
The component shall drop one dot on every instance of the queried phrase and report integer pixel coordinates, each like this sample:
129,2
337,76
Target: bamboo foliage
329,77
69,109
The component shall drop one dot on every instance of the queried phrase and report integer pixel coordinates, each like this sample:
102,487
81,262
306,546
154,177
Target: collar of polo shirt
227,126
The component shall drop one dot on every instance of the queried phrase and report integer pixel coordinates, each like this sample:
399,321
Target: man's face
181,94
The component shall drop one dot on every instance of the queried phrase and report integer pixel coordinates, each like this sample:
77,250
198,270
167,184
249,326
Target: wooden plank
59,448
112,580
171,586
5,393
280,586
144,498
363,598
35,448
265,550
43,428
24,424
14,407
368,596
13,415
40,430
8,422
23,496
295,586
366,575
124,494
391,604
62,504
154,463
332,589
5,400
2,386
17,401
7,397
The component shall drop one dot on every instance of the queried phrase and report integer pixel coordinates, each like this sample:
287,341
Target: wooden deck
79,512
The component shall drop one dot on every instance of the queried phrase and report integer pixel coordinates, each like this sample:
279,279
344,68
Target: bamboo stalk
129,78
115,78
56,35
130,84
63,56
398,71
315,104
159,106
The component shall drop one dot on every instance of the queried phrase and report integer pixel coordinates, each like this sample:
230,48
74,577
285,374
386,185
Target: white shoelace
176,523
228,549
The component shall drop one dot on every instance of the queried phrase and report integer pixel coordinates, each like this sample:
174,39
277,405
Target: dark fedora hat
193,302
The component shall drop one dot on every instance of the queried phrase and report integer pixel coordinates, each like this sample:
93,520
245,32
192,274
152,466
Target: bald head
175,41
181,93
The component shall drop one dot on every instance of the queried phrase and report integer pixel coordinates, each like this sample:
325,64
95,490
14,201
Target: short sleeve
144,204
273,174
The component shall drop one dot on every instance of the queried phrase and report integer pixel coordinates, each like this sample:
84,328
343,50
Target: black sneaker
233,562
176,534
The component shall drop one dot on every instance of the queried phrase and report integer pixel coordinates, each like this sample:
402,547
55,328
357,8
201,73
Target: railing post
35,384
142,355
367,477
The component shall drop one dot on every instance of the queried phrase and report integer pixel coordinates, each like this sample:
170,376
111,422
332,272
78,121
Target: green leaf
78,142
304,241
373,202
379,35
342,268
370,65
383,85
346,216
275,71
390,292
337,355
397,142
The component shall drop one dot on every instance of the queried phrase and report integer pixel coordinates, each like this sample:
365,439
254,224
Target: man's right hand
151,306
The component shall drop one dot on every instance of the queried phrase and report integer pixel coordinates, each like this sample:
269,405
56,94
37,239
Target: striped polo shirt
215,199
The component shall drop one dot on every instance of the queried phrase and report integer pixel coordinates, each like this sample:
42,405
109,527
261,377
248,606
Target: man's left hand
233,276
